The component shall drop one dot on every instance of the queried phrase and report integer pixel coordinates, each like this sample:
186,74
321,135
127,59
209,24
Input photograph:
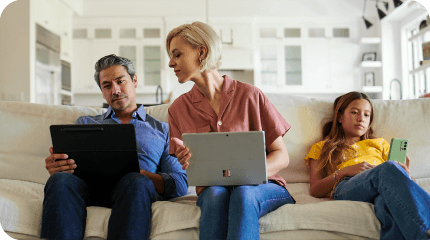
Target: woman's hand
353,170
182,153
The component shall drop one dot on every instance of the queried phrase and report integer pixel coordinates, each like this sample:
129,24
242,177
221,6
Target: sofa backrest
392,119
25,138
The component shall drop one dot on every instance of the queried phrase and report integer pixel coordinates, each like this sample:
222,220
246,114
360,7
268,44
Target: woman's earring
200,60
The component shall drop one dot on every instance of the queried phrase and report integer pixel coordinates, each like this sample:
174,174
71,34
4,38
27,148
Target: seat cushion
21,212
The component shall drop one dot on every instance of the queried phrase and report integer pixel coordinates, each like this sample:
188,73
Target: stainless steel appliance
48,68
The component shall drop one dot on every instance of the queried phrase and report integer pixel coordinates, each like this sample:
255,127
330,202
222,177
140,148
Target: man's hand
54,166
156,179
182,153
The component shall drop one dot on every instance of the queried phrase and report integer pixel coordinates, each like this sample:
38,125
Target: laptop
226,158
103,153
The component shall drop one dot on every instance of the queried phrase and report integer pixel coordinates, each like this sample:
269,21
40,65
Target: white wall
15,41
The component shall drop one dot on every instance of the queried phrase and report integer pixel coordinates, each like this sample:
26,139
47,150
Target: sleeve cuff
169,185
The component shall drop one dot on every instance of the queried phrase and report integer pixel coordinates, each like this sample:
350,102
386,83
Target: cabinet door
65,16
269,73
46,14
83,66
342,62
317,68
293,65
152,65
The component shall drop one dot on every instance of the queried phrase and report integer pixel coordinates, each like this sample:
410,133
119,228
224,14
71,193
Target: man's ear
134,80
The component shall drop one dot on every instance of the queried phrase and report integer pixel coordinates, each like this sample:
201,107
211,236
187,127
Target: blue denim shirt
152,138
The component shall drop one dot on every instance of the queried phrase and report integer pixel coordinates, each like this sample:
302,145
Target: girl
350,164
220,104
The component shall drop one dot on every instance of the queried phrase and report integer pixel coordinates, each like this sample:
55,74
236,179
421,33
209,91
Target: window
417,84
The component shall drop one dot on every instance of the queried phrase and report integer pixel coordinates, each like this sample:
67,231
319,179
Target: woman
219,104
350,164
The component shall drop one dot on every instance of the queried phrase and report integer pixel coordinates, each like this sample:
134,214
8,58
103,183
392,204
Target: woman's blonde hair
197,34
335,149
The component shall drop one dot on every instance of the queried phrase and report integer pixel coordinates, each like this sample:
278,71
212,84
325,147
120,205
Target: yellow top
373,151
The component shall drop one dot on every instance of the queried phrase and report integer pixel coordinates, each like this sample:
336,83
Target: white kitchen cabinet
142,43
23,77
237,38
46,14
83,66
304,59
64,28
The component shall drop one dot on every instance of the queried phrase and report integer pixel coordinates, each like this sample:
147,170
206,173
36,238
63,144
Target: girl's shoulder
314,152
319,144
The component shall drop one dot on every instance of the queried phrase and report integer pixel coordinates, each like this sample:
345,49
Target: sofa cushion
21,208
21,211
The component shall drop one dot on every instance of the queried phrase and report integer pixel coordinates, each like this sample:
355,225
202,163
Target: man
161,176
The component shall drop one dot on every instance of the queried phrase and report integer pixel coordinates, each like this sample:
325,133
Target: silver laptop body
226,158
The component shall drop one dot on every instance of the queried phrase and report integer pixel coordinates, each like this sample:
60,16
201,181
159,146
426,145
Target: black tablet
103,152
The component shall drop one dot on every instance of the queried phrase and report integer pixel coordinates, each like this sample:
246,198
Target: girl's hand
353,170
200,190
182,153
404,166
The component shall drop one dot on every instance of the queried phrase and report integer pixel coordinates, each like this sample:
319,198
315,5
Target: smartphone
398,149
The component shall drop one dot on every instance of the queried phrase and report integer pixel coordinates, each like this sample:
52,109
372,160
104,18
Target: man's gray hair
111,60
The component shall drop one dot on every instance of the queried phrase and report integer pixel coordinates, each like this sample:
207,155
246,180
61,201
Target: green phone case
398,149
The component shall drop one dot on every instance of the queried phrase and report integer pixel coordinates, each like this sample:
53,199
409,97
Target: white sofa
25,139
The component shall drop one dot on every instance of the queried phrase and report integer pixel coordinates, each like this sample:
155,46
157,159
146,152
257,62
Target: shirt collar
140,113
229,85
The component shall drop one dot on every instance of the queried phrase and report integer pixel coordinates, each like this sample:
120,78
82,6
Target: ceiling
221,8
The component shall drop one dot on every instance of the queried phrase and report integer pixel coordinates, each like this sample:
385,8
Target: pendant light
366,22
397,3
381,14
386,5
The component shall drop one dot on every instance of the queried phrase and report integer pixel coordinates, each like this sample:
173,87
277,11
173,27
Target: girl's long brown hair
335,149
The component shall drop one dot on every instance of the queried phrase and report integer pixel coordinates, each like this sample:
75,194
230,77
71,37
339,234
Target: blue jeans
234,212
401,205
67,197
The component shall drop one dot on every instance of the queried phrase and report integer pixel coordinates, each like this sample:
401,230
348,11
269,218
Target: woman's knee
244,195
213,195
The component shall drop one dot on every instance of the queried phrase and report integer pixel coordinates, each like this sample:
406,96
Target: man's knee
59,181
134,184
137,180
